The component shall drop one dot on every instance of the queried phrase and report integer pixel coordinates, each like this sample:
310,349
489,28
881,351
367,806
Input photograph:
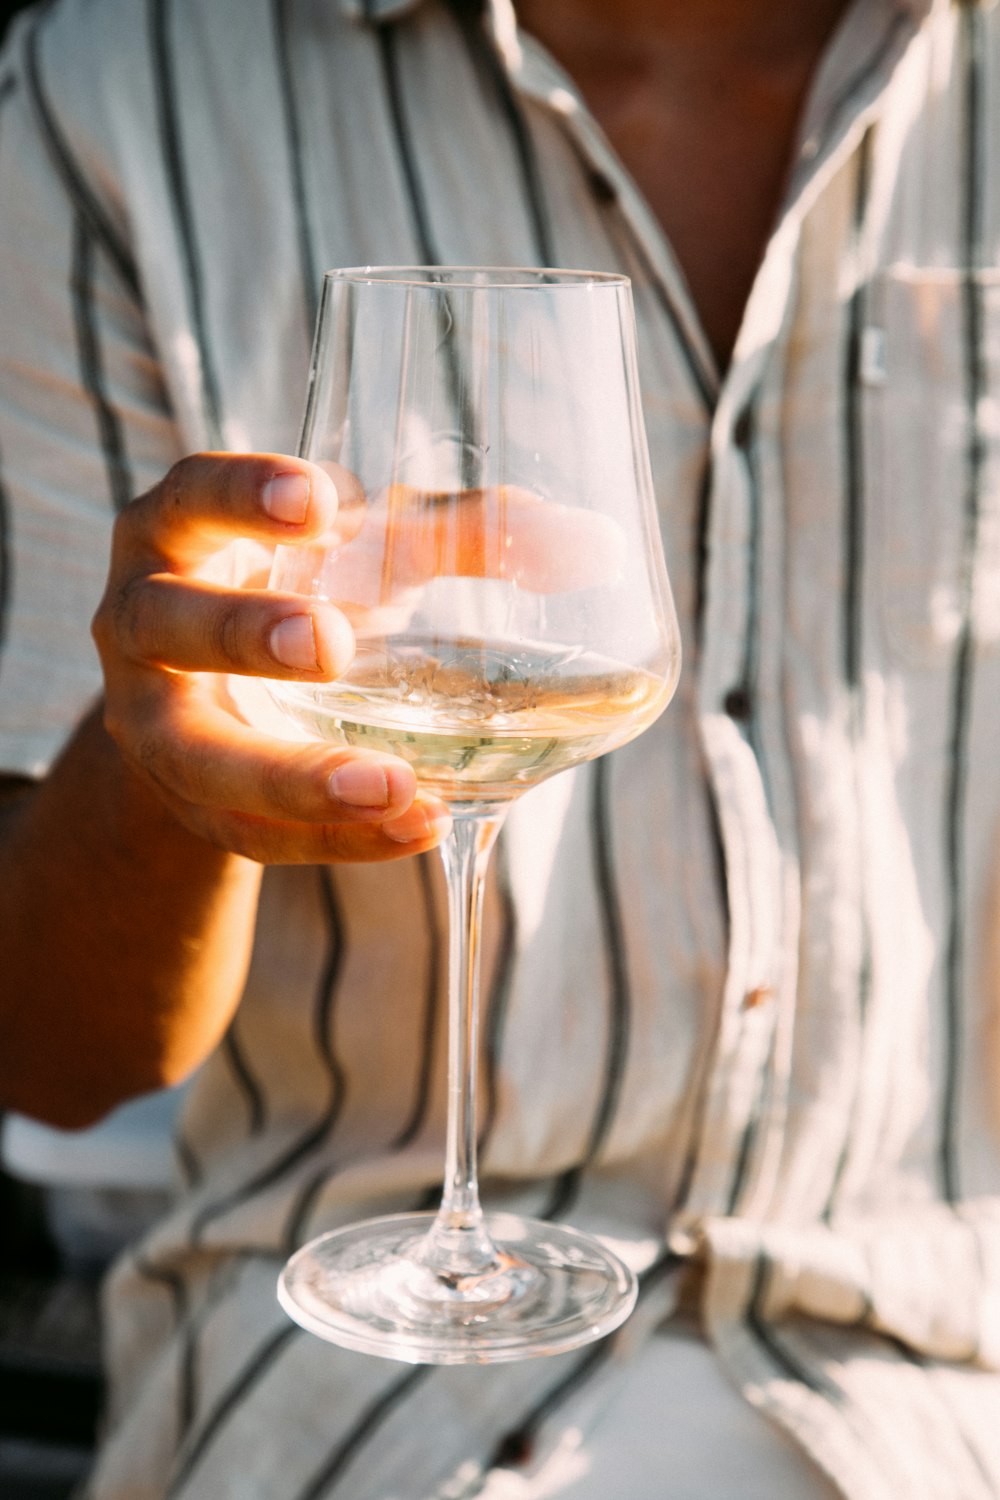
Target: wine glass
498,554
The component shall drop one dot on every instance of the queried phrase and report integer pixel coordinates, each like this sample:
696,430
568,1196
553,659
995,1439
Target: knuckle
178,481
280,787
115,725
130,619
101,628
341,843
227,633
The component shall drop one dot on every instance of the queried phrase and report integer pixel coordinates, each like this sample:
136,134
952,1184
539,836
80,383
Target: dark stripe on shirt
515,1447
305,1199
251,1374
7,90
605,194
780,1354
168,122
436,936
765,1335
846,99
746,438
232,1050
365,1428
498,1004
971,241
293,134
6,566
466,417
386,41
318,1132
78,189
88,343
853,433
176,1287
619,997
187,1161
852,626
484,55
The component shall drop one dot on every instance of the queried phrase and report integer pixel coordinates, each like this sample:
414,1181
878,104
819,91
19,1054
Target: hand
169,631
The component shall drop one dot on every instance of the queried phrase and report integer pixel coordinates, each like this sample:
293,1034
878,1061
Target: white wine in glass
498,555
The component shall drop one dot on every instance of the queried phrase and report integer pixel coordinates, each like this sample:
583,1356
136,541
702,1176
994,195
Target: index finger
208,498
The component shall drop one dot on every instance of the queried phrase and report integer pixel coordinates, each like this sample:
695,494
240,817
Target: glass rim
499,278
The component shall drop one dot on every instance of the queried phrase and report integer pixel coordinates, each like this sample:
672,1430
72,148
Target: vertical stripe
168,115
432,985
498,1003
6,558
323,1127
605,195
246,1082
388,54
619,992
296,163
875,64
766,1337
6,562
853,454
187,1161
486,59
366,1427
745,436
68,170
305,1200
852,620
516,1445
88,342
263,1358
466,416
971,249
176,1288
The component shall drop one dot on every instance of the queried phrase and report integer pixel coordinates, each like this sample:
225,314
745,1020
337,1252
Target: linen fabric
742,980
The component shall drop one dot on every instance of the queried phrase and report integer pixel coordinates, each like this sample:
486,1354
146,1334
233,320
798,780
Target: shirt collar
379,11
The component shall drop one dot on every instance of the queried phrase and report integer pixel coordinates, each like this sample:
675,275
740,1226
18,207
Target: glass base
367,1287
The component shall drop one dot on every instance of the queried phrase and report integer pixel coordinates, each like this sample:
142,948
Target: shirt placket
738,1142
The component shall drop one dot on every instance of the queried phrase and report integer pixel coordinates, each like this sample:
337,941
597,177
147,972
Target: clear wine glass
499,558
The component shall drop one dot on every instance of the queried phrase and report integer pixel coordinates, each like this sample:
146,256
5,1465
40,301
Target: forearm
124,938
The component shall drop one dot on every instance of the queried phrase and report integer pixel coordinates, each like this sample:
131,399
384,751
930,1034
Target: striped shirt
743,979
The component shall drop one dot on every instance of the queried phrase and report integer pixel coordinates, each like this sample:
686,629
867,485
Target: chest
711,161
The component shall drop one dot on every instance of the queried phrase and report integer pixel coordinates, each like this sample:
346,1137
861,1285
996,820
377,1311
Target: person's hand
168,632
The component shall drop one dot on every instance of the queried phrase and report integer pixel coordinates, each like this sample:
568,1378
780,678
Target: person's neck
771,31
701,99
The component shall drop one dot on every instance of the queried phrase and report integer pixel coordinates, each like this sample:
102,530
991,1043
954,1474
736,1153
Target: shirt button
743,428
602,187
757,996
737,704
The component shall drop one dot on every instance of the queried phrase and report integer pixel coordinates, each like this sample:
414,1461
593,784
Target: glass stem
458,1244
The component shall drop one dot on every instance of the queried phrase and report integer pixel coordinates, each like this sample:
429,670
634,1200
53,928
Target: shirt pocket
930,360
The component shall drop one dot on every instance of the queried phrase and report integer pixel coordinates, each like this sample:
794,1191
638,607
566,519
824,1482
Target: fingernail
361,784
286,498
293,643
417,823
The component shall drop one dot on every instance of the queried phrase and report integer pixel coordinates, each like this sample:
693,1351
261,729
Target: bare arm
129,877
123,938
